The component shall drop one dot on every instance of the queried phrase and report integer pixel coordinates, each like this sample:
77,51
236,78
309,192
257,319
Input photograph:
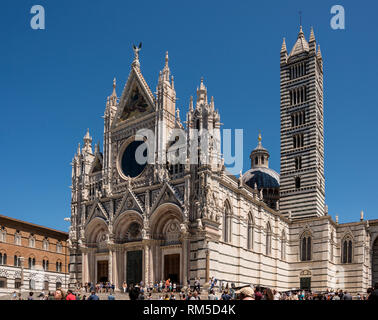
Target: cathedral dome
264,178
260,174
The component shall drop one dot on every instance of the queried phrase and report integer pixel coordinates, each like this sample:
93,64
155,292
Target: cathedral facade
182,220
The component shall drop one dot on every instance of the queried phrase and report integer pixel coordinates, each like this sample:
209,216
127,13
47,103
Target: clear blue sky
54,83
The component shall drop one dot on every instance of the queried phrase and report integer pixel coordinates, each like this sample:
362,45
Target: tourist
70,295
111,296
31,296
276,295
58,295
258,295
373,296
347,296
93,296
225,296
124,286
195,296
212,295
14,296
246,293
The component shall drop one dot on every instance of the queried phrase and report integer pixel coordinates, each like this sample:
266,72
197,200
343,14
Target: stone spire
319,54
283,48
312,41
166,72
191,103
201,94
87,143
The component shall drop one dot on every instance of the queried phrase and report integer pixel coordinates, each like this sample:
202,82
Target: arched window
306,247
59,247
45,264
268,240
227,221
17,261
283,246
347,250
331,251
31,241
3,259
58,266
31,262
45,244
250,232
3,234
17,238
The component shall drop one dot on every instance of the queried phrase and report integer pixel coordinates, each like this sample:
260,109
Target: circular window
129,165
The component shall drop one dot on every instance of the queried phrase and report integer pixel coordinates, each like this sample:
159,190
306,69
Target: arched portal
170,250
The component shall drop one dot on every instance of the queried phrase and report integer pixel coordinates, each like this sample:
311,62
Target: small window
32,242
59,247
45,244
17,283
297,182
17,238
58,285
3,259
17,261
3,282
3,235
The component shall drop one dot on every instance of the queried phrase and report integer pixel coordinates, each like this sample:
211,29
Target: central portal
172,267
134,267
102,271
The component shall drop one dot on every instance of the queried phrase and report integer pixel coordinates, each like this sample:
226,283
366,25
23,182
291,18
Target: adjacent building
32,257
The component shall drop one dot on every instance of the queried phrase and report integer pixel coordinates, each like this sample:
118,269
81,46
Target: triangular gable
167,194
129,201
97,210
96,164
137,99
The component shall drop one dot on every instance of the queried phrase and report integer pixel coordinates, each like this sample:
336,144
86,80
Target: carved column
110,266
146,264
85,264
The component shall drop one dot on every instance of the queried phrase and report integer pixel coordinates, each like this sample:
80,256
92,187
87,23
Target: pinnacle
312,35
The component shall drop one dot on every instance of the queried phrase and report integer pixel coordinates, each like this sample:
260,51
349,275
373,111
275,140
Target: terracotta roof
32,225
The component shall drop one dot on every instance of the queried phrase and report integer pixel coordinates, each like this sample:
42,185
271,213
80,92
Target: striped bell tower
302,183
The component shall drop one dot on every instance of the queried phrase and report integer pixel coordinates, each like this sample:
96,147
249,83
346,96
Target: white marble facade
187,221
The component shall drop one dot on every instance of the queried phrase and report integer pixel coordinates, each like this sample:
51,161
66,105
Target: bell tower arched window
250,232
347,250
306,247
227,223
268,240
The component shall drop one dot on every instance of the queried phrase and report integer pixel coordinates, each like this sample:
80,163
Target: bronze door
172,267
134,267
102,271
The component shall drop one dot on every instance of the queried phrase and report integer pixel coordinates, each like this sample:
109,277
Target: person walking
93,296
373,296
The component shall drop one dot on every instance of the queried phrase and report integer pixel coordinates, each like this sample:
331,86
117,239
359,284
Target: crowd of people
168,290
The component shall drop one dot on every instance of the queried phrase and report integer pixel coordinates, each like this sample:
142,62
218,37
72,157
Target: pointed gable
137,99
301,45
